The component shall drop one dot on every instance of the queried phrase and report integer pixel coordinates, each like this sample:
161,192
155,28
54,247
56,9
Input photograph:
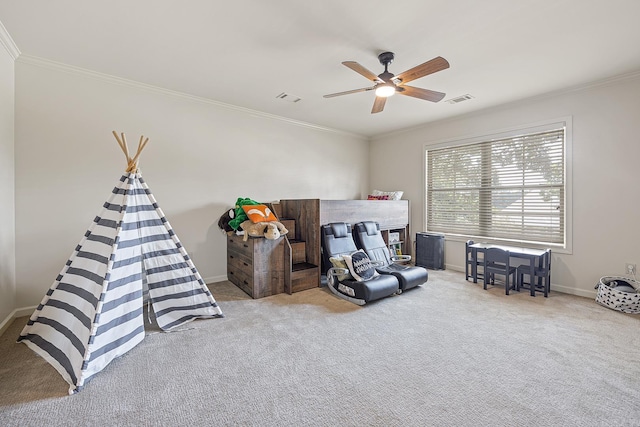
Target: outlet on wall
630,268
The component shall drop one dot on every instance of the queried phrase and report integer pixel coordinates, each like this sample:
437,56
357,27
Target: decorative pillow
339,262
393,195
259,213
360,266
372,197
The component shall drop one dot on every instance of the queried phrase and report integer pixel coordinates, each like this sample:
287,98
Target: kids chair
369,238
472,262
496,261
541,279
337,242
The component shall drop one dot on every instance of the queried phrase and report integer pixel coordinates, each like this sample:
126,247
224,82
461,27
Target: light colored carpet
446,354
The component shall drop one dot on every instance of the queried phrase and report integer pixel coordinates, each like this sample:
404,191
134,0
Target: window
510,187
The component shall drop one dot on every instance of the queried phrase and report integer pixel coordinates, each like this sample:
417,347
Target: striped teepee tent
93,312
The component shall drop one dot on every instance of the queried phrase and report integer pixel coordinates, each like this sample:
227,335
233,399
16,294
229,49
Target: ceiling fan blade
378,104
364,89
426,94
429,67
362,71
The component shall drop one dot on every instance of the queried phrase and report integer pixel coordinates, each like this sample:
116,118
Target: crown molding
8,43
547,95
596,83
108,78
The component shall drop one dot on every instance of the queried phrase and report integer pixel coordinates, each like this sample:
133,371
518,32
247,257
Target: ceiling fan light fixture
385,90
386,84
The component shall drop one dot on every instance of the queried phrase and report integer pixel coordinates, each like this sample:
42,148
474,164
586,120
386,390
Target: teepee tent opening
93,312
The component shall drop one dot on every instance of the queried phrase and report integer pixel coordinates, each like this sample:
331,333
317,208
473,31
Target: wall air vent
288,97
460,99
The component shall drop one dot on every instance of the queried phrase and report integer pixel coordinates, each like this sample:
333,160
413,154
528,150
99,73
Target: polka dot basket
619,293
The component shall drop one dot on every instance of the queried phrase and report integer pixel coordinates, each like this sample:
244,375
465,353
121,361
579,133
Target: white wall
201,157
606,174
7,205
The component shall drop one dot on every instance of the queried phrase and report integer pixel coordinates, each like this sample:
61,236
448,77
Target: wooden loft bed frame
310,214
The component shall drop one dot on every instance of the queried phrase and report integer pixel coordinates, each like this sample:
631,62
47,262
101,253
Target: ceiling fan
386,84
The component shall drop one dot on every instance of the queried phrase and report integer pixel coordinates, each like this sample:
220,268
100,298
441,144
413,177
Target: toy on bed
261,222
225,218
240,214
268,229
251,218
230,220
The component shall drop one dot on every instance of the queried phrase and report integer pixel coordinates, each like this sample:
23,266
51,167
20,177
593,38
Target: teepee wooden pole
141,146
126,148
121,144
132,163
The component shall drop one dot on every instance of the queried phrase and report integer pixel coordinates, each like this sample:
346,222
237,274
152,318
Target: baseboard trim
215,279
18,312
554,287
574,291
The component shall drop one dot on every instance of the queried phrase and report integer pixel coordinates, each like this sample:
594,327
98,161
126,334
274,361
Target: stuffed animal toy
269,230
223,222
240,215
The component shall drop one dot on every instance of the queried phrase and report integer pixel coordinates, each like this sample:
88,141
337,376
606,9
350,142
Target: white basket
610,297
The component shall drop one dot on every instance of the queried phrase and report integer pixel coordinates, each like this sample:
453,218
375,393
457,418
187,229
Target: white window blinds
510,189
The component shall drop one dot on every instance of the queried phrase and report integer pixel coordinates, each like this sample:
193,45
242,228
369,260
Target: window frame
531,128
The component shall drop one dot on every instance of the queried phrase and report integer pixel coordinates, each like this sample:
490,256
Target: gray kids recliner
365,284
369,238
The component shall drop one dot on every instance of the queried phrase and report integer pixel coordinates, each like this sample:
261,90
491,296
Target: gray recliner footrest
409,277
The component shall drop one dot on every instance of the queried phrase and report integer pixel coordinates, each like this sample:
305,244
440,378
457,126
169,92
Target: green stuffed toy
240,215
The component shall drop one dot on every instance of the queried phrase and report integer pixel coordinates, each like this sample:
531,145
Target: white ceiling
246,52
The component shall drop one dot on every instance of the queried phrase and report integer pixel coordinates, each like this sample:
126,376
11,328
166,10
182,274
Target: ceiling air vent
288,97
460,99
